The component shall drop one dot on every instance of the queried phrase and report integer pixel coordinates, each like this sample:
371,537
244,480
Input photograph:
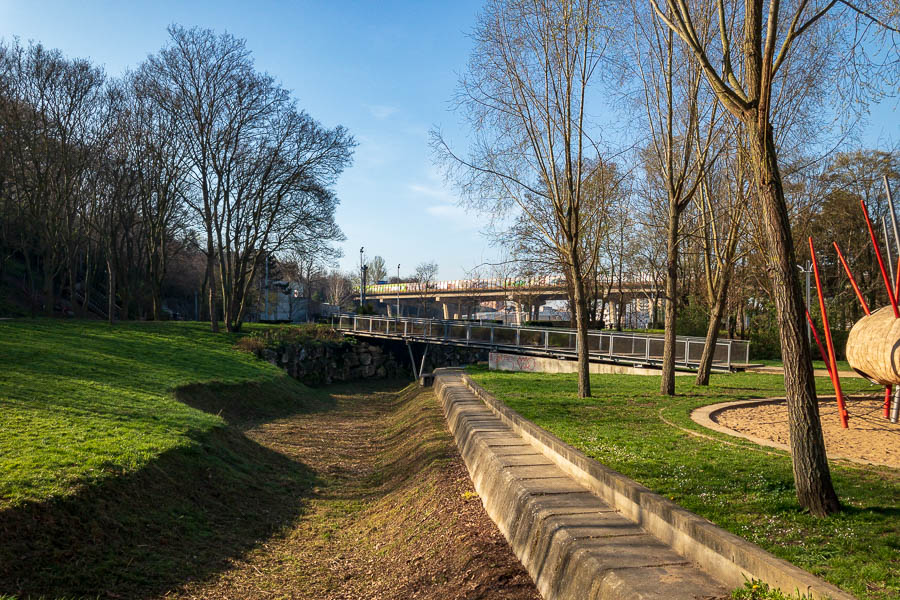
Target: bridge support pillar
446,307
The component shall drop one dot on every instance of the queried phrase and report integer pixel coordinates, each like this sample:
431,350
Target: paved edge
706,416
723,555
573,544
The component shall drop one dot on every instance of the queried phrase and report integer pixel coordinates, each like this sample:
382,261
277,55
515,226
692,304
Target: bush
693,320
250,344
285,335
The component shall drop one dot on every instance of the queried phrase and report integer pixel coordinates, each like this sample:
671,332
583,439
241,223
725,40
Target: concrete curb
706,416
574,545
722,555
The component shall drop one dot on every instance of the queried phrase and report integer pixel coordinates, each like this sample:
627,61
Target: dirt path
394,514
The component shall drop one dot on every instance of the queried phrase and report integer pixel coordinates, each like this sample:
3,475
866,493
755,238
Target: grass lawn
81,401
123,458
843,365
740,486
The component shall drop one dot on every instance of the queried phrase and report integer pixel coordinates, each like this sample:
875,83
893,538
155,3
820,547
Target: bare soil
393,514
869,437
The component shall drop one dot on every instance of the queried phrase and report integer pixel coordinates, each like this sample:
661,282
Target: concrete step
575,546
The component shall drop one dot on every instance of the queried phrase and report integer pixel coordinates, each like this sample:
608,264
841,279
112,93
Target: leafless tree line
195,150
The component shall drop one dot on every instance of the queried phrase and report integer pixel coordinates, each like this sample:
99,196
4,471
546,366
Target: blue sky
385,70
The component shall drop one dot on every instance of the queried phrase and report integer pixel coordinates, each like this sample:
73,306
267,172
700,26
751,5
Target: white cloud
442,204
445,211
381,111
432,192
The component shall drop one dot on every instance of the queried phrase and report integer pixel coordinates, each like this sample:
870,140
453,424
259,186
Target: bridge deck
603,346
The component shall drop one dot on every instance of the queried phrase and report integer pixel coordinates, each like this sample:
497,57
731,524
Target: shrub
250,344
760,590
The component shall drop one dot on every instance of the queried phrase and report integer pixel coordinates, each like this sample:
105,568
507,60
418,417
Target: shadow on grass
182,517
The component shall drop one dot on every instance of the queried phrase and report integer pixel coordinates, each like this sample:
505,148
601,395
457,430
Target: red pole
834,374
887,401
853,281
884,275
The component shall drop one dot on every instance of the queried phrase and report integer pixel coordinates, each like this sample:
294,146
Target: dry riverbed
393,514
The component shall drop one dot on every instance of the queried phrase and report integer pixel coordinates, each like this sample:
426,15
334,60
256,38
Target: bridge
603,346
454,295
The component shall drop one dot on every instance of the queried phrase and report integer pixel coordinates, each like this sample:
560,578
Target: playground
870,438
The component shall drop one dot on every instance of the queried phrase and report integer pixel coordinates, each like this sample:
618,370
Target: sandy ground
869,437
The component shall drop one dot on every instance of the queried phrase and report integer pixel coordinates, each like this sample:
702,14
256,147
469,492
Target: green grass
843,365
124,464
81,401
740,486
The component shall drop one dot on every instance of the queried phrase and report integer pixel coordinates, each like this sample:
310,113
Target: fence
616,346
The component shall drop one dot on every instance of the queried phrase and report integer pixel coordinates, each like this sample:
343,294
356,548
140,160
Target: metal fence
635,348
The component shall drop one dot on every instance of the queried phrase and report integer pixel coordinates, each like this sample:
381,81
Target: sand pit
870,437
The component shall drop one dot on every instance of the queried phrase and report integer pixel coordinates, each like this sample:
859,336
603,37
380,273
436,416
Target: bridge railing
612,345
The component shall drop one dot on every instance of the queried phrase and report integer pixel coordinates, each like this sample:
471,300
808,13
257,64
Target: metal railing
614,346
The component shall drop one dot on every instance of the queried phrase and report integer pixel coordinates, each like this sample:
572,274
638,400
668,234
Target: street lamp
808,271
362,279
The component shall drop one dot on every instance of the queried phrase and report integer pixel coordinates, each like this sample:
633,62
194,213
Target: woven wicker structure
873,347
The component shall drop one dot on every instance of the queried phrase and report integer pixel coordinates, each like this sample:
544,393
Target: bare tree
49,125
722,207
260,167
525,98
377,270
823,42
424,277
162,166
338,288
682,122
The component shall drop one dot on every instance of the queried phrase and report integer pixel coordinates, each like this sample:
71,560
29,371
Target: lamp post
807,270
398,290
362,279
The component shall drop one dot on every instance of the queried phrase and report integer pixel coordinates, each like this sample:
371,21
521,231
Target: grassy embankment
154,459
740,486
123,462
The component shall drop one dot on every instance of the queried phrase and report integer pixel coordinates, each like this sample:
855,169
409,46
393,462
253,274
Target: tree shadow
182,517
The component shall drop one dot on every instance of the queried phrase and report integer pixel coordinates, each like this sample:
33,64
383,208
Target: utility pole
398,290
267,287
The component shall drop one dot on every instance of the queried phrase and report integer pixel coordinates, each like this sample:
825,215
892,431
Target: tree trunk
32,289
812,477
211,283
70,275
581,335
111,288
86,290
49,299
712,332
667,382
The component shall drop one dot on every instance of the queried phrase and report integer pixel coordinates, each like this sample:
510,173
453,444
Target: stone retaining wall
324,363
